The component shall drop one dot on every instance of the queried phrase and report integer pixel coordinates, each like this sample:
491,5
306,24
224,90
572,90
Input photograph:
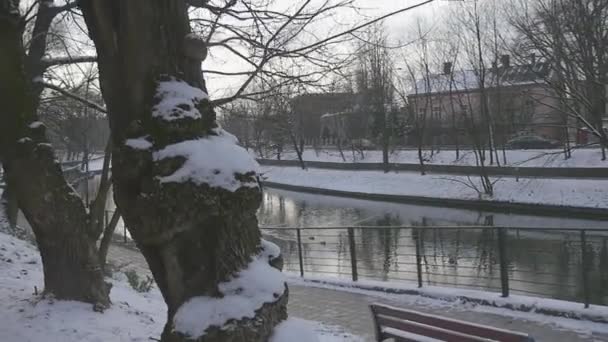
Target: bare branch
48,62
73,96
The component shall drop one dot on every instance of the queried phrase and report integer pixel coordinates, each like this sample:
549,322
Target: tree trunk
9,199
106,240
385,144
56,214
194,232
299,150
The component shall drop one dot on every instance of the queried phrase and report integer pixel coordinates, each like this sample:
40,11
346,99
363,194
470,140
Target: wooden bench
401,325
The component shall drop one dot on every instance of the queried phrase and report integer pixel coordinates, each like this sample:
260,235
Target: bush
143,285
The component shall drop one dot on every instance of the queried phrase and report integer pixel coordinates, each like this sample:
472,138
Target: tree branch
48,62
62,91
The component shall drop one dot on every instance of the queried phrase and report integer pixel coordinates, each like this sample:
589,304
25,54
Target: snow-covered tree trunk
187,192
56,214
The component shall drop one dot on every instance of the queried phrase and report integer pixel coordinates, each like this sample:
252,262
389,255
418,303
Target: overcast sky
397,26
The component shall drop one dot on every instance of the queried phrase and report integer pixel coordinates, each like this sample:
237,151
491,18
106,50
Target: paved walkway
350,310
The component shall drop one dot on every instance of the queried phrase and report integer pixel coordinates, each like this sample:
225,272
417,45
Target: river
541,262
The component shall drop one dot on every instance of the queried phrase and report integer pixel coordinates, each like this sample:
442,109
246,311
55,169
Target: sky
398,28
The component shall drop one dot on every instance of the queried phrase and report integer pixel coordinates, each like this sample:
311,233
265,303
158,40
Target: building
310,108
518,101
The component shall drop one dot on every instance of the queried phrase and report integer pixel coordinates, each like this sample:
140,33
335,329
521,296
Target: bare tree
375,86
57,215
198,230
474,22
573,37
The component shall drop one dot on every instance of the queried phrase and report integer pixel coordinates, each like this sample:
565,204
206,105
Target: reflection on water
296,209
541,262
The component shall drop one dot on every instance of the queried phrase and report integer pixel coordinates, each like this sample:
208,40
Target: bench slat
427,330
404,336
452,324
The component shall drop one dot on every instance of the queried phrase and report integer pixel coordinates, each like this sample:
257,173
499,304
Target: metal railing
568,264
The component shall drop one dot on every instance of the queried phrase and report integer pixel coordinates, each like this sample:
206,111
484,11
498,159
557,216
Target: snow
36,124
270,249
178,100
470,80
521,158
140,143
27,317
252,287
212,160
294,330
133,316
409,336
564,192
24,140
300,330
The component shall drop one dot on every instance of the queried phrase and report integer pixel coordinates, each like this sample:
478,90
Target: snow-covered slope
565,192
27,317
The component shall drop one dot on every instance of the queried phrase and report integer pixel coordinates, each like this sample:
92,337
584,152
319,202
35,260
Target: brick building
518,101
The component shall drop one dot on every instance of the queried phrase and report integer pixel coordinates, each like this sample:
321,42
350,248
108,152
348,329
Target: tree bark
193,236
56,214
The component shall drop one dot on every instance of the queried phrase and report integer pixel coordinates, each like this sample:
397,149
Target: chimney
505,60
533,58
447,68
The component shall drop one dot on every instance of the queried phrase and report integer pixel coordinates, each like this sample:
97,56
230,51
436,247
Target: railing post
503,259
300,252
353,254
416,234
585,266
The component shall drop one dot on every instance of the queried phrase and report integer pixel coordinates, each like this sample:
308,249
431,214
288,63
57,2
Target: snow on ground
299,330
566,192
25,316
529,158
133,316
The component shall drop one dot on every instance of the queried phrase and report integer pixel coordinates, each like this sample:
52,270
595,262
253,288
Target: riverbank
531,195
549,158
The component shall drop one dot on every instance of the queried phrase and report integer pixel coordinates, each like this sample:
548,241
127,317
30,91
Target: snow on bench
392,333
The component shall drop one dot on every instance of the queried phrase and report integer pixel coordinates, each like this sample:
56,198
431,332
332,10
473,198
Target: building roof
469,79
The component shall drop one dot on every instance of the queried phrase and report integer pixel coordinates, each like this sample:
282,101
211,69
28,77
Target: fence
568,264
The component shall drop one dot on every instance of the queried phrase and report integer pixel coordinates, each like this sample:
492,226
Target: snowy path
539,158
349,309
